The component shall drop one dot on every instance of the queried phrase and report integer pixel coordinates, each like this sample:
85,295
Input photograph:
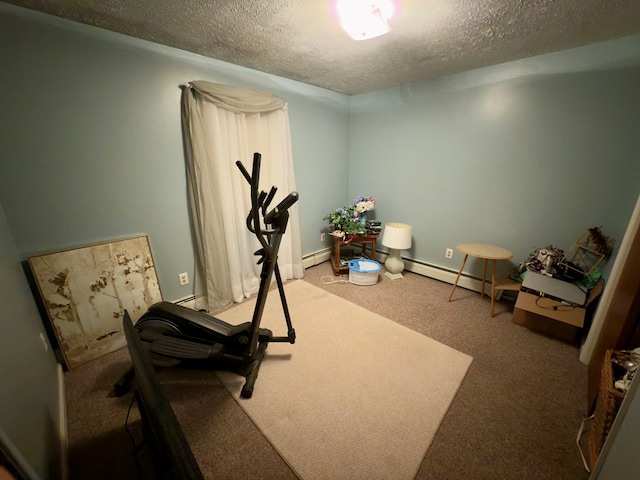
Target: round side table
486,252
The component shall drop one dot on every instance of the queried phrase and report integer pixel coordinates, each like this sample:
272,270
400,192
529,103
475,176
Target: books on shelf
374,227
344,261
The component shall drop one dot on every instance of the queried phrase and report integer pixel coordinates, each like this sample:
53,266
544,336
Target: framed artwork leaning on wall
85,291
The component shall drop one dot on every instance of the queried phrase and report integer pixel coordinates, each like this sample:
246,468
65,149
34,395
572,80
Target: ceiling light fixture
365,19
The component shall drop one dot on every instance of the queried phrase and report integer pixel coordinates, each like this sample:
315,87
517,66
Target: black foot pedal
185,349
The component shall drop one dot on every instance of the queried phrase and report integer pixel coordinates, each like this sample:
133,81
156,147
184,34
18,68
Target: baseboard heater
185,300
415,266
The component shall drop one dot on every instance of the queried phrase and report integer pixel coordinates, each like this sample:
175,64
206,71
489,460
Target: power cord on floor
580,434
328,280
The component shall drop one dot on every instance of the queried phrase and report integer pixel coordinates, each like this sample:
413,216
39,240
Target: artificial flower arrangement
350,220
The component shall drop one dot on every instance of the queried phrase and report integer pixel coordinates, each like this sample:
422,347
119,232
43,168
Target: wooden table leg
458,277
335,244
484,276
493,284
485,252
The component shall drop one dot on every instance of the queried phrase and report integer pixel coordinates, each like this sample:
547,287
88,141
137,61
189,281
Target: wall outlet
183,278
448,253
322,237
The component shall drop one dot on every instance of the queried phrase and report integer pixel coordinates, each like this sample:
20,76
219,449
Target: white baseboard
424,269
444,275
63,425
189,302
308,261
316,258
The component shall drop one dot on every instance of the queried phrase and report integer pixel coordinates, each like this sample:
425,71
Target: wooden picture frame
85,291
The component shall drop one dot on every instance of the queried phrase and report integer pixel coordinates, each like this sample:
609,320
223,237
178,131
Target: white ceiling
298,39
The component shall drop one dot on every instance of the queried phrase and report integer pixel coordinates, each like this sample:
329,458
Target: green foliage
347,219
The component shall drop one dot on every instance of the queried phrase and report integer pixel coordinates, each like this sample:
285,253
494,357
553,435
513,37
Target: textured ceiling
298,39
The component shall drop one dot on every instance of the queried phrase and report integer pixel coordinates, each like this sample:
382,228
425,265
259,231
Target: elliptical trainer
173,334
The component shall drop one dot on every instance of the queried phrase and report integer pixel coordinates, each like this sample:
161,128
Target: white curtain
221,125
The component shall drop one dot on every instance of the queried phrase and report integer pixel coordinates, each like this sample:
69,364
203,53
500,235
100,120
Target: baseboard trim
316,258
415,266
189,301
63,425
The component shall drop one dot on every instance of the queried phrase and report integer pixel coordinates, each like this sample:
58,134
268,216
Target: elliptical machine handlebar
245,174
282,208
260,202
268,200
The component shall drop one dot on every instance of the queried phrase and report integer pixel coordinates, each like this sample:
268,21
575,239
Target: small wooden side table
337,244
486,252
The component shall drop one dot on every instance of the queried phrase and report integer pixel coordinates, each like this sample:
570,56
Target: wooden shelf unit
337,244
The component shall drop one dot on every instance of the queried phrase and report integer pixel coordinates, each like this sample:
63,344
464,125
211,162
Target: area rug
356,397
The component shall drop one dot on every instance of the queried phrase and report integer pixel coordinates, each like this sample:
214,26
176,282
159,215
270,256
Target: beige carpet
357,397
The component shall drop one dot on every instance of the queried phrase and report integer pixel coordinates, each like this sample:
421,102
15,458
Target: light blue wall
29,393
92,151
521,155
92,143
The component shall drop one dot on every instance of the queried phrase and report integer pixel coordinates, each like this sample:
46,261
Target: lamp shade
397,235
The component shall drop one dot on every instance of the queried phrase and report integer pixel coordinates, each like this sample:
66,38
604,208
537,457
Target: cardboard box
551,317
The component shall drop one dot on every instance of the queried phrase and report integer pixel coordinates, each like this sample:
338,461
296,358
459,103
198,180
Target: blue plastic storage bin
363,271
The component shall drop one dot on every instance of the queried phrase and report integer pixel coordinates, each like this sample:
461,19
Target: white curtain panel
221,125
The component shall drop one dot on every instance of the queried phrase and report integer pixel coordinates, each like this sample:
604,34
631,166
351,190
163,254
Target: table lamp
396,236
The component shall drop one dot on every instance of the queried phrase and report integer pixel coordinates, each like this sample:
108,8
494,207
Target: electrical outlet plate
183,278
448,253
322,237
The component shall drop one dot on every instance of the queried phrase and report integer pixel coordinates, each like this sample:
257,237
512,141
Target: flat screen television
172,455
